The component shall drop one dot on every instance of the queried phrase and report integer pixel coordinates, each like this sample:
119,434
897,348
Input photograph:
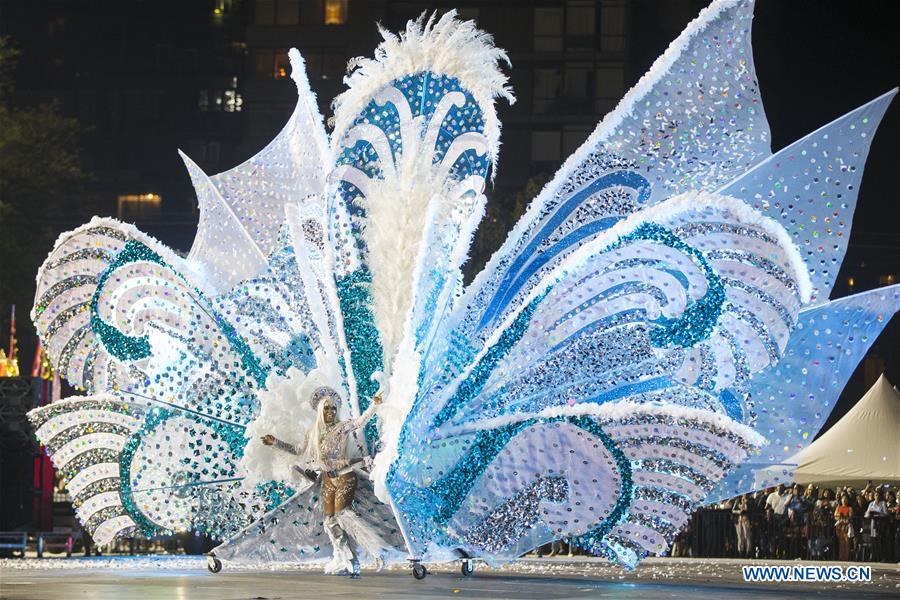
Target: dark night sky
815,60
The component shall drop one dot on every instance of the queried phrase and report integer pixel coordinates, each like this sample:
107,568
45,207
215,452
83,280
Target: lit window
335,12
133,207
888,279
234,102
282,64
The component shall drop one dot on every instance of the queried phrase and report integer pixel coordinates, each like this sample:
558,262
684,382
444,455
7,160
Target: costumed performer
325,450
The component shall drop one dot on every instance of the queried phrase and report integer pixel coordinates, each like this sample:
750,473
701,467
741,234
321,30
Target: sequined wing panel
136,470
67,308
194,374
272,313
620,481
791,400
656,316
85,437
242,210
811,187
180,471
701,289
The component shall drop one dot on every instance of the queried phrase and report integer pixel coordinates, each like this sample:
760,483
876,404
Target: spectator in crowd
681,547
741,510
821,526
777,501
810,497
759,499
794,522
843,528
876,513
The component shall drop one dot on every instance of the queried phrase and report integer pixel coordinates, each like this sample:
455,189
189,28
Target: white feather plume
445,46
285,412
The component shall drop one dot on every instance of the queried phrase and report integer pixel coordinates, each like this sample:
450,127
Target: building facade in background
144,78
211,77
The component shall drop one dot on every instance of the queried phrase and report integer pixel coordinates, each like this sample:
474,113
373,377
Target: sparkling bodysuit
333,445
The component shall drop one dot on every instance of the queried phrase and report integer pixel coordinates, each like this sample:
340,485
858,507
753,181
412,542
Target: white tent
863,446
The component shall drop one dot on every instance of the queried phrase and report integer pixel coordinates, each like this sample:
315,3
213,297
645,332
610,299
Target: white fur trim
615,410
285,412
307,105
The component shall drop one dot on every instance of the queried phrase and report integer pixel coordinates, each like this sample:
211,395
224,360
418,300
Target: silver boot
344,561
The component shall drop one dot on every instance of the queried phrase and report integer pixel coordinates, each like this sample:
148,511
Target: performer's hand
376,399
268,440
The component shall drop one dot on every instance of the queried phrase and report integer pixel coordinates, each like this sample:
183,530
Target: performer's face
329,412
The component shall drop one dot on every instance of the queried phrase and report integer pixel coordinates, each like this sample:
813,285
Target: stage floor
152,578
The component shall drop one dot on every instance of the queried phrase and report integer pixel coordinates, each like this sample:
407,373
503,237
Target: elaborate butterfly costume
654,333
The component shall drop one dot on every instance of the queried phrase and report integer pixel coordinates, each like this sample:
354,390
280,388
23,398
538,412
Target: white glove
383,386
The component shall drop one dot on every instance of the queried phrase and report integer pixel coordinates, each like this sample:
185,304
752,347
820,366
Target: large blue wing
603,392
117,298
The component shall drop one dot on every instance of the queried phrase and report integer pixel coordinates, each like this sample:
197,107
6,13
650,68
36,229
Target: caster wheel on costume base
213,564
419,571
468,567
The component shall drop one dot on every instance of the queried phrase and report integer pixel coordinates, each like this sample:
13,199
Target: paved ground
186,578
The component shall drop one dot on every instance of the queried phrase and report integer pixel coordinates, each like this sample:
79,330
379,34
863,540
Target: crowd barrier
711,533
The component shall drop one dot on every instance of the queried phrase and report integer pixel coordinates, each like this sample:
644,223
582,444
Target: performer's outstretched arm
271,440
351,425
